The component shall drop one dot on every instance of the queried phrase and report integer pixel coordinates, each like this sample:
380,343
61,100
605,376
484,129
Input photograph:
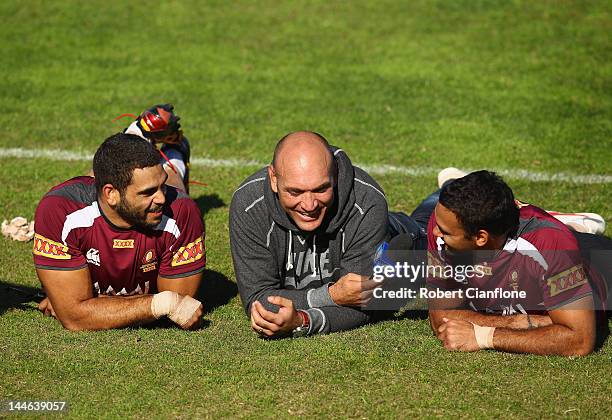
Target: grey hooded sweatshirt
272,256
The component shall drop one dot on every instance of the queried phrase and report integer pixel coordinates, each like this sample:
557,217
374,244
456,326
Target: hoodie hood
338,212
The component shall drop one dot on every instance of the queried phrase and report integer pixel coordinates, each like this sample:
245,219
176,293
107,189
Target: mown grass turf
521,85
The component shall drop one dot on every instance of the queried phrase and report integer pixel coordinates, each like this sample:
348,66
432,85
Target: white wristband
164,303
184,311
484,336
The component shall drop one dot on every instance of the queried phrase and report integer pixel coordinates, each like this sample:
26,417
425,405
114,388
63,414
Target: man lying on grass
121,249
303,234
528,290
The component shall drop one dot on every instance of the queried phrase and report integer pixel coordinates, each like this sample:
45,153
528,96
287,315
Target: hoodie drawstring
289,265
289,256
314,254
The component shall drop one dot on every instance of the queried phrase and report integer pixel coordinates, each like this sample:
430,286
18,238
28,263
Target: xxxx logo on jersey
123,243
567,280
189,253
48,248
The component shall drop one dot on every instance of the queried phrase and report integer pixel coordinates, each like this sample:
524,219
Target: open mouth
156,214
309,217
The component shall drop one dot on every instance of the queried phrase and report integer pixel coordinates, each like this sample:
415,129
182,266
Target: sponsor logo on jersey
567,280
93,256
485,269
149,261
123,243
47,248
189,253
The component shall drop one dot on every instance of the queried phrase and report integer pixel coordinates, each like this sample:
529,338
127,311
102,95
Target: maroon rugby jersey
72,233
542,259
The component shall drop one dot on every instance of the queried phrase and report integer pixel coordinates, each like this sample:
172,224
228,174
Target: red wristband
305,319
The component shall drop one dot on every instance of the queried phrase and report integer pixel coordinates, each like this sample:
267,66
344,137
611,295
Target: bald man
303,234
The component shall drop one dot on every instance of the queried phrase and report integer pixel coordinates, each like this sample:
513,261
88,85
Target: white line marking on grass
522,174
417,171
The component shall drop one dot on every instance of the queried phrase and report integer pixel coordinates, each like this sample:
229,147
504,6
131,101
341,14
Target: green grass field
420,85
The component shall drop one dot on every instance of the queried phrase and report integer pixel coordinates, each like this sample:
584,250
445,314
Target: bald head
305,149
302,174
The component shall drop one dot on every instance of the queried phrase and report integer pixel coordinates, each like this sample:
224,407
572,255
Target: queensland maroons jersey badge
514,281
149,261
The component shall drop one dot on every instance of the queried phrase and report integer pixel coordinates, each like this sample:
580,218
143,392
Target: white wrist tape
164,303
484,336
184,311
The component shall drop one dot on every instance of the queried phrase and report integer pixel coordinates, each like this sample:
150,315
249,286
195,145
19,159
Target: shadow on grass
208,202
216,290
17,296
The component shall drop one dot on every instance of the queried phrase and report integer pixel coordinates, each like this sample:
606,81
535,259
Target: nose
309,202
159,198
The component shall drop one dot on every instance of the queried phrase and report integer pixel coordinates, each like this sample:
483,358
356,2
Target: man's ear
482,238
111,195
273,179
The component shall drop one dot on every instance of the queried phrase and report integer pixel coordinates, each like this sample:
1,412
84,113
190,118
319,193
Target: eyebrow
152,189
323,186
441,229
148,191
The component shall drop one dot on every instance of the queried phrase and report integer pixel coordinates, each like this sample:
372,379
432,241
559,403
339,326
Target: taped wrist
184,311
164,303
484,336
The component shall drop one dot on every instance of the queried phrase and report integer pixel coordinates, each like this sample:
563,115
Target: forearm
302,298
550,340
109,312
336,318
518,321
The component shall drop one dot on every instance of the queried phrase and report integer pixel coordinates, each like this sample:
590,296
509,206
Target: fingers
259,324
43,304
280,301
366,296
186,313
260,330
195,321
46,308
269,316
370,284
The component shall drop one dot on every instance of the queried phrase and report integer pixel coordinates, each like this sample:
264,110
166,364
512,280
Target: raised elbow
583,347
584,350
72,323
72,326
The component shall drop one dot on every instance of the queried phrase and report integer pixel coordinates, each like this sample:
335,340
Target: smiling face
302,177
448,227
142,203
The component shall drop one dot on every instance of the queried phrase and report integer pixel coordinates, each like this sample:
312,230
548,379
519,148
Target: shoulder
68,197
367,191
545,232
249,192
65,209
365,184
81,189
